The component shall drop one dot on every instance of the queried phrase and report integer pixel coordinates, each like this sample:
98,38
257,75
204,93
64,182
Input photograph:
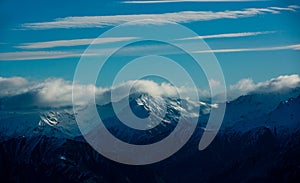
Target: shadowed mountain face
259,141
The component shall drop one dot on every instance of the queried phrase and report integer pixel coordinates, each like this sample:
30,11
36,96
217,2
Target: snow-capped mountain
251,108
60,122
53,123
242,114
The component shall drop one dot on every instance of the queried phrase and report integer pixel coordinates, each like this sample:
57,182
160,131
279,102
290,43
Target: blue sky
251,39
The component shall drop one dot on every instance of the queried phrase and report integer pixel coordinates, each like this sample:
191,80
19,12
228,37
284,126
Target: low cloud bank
279,84
19,93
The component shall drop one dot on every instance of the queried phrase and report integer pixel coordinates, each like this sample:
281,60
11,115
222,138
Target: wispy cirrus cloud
130,51
80,42
36,55
272,48
178,17
229,35
72,42
179,1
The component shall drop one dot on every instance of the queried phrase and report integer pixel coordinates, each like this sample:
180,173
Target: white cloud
178,17
243,86
272,48
12,82
290,8
178,1
214,83
128,51
18,93
35,55
72,42
229,35
279,84
10,86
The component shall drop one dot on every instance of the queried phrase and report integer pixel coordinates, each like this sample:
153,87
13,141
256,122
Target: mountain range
258,141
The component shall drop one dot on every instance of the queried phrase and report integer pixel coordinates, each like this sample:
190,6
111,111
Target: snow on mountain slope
286,115
285,118
14,123
245,113
56,123
60,122
253,106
